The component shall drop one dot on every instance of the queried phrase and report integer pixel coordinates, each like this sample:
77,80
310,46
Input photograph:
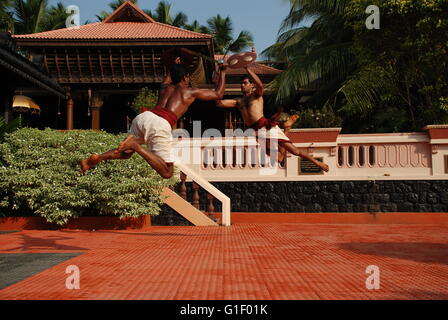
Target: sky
261,17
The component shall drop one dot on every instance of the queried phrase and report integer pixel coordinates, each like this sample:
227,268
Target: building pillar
6,98
70,107
95,108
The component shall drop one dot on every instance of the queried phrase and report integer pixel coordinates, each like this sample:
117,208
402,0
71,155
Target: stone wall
327,196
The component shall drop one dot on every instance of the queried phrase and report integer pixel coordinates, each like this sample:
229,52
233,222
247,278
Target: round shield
241,60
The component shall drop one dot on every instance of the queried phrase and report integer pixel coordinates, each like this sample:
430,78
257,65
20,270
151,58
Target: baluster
211,207
195,195
183,187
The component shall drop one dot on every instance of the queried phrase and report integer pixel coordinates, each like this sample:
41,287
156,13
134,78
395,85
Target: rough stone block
348,207
347,187
423,207
405,207
381,198
390,207
439,208
413,197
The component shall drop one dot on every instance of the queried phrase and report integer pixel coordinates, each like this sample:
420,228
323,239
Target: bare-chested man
251,108
154,128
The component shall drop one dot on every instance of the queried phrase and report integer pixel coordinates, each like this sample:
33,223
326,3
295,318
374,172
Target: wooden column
96,111
70,107
95,108
6,97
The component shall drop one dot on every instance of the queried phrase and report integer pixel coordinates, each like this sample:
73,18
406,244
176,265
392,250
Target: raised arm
167,80
259,88
218,93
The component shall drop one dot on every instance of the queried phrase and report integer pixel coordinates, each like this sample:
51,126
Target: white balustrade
352,157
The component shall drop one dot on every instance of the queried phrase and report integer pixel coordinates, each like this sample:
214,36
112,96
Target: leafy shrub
312,118
40,175
146,100
9,127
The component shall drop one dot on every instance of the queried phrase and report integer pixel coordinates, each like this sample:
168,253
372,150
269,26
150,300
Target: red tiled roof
116,31
127,22
255,66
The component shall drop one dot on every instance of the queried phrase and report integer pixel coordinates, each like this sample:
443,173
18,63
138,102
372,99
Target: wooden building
104,65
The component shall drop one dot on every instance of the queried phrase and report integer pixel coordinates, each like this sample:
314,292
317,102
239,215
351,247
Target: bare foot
89,163
291,120
323,166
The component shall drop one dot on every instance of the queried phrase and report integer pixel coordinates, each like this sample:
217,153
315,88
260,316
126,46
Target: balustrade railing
400,155
212,194
363,156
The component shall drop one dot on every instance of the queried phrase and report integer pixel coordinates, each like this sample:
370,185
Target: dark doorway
116,113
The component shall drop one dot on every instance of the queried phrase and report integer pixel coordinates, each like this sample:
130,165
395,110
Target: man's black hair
178,72
248,77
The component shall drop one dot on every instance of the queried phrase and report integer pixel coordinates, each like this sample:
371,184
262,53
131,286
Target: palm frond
313,69
244,40
55,18
102,16
163,13
363,90
115,4
29,15
180,20
195,26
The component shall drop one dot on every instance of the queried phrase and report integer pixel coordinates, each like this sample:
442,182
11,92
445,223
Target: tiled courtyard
288,261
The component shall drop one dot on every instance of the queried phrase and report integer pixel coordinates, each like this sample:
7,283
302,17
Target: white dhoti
274,133
156,132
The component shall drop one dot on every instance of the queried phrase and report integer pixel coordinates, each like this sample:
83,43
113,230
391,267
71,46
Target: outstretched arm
228,103
218,93
167,80
259,88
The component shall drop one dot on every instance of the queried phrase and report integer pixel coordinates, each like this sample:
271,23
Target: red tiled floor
242,262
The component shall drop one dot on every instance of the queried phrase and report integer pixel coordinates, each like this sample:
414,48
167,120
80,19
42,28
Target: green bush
40,175
146,100
314,118
9,127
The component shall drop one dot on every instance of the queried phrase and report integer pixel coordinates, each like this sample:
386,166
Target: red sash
166,114
264,123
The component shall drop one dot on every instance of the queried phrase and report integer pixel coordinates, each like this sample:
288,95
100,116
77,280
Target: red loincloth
264,123
167,115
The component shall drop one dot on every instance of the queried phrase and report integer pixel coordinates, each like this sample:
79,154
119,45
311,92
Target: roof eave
25,69
39,42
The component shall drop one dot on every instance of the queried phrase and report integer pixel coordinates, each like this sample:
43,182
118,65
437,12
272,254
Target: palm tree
318,55
29,15
102,16
6,19
197,27
114,6
163,14
321,56
4,7
222,29
55,18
